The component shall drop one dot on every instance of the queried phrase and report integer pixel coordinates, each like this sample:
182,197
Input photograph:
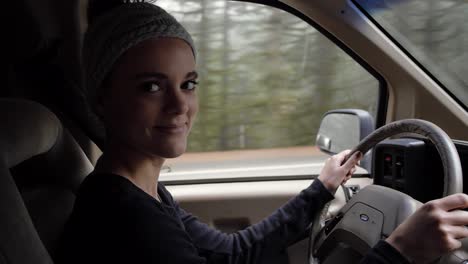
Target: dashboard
413,166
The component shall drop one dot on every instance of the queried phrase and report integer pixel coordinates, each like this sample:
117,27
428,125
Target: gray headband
118,30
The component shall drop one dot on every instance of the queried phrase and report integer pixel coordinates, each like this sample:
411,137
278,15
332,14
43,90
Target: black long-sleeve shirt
114,221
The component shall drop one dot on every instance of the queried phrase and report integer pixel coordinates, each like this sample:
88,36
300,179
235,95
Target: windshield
434,32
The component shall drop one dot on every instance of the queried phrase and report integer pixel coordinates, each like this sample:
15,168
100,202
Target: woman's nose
176,102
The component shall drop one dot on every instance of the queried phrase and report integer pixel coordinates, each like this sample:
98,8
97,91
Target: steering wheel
374,212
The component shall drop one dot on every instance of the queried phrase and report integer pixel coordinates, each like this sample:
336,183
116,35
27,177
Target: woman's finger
351,172
352,161
457,217
340,157
347,177
452,202
453,244
458,232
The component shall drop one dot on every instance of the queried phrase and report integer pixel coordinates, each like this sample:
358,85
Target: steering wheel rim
453,176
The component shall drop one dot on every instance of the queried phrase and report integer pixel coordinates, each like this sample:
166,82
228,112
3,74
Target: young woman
141,79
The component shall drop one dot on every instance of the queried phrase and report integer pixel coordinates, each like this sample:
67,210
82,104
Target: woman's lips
171,129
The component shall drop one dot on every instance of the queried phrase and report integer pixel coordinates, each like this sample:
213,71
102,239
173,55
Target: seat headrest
28,129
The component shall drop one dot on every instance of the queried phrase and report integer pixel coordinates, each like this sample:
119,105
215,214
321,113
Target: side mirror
343,129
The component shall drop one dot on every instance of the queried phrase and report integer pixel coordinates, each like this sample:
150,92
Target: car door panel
233,206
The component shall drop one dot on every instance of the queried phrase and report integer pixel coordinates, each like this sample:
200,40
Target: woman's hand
433,230
334,174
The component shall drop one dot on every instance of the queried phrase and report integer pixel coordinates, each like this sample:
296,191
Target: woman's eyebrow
145,75
192,75
159,75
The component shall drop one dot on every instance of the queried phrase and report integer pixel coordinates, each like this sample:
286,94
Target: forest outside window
266,79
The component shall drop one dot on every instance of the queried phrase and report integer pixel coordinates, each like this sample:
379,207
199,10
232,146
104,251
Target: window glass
266,79
434,32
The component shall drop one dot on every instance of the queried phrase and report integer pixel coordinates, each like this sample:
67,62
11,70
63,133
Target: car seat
41,168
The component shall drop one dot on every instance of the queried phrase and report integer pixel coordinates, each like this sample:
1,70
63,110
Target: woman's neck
140,168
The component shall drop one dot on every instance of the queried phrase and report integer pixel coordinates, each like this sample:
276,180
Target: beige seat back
41,167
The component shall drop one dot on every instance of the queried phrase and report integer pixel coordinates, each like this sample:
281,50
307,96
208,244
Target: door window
266,79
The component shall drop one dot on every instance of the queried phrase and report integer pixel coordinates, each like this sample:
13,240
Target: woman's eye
152,87
190,85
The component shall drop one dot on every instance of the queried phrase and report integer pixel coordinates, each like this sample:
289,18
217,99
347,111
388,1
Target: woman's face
149,101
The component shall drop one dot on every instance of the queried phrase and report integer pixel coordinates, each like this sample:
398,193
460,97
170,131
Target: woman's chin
172,152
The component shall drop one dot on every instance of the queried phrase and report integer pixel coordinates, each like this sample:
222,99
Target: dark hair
97,8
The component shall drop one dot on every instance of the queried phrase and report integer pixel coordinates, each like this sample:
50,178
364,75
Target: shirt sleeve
384,253
264,242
